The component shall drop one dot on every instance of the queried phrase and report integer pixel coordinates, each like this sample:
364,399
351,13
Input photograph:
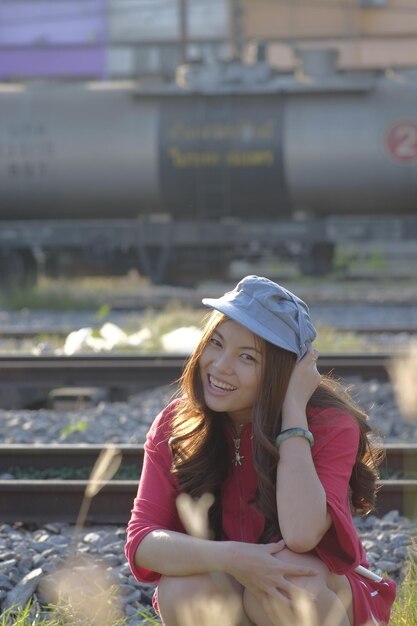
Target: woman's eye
248,357
215,342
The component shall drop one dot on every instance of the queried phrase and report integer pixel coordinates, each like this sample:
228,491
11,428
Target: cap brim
248,321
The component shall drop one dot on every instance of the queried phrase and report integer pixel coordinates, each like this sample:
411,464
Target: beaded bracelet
295,432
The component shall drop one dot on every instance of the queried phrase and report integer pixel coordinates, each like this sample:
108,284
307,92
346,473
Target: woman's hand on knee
257,569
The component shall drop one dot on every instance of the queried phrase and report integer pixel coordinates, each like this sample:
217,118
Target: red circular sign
401,141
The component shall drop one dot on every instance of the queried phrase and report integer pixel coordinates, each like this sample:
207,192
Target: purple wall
52,38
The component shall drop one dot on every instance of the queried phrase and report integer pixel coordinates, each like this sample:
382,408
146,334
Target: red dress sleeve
154,506
334,455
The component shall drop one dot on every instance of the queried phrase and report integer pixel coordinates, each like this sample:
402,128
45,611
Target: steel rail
42,501
400,457
26,381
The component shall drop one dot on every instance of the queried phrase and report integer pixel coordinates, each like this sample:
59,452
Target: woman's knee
323,590
182,595
323,580
173,590
318,581
179,585
255,610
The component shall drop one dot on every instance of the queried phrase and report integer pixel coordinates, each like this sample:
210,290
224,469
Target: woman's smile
219,385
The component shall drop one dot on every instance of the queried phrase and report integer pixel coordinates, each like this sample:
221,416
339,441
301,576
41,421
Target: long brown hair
199,447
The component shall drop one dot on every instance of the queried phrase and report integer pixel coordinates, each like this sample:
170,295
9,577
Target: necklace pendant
238,457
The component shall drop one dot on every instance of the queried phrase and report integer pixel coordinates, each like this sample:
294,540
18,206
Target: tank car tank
324,143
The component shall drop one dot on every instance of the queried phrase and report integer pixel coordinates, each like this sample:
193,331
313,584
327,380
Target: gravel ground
36,563
128,422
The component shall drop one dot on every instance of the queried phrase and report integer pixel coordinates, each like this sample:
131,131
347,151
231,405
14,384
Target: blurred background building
150,38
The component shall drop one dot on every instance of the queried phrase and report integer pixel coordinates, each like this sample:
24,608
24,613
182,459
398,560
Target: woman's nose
224,362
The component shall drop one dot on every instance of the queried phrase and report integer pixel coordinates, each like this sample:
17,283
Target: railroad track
26,381
43,501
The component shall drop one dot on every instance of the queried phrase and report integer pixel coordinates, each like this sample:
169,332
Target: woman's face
230,369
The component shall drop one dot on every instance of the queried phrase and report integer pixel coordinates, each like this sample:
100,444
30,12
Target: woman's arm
301,499
154,505
253,565
176,554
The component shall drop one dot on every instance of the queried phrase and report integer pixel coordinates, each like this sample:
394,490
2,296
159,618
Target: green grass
348,258
39,298
79,293
334,340
404,612
78,427
31,615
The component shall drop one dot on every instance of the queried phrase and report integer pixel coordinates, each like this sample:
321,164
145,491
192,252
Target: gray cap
270,311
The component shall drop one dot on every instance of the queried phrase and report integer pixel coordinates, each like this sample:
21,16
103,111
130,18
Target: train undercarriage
182,252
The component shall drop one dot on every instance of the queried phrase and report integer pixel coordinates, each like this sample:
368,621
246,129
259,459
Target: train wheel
317,260
31,270
188,272
17,270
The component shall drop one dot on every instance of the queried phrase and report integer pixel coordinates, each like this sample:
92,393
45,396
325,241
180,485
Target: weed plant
404,611
31,615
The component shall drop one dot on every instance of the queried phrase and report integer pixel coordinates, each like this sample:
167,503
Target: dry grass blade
338,610
206,611
305,612
82,593
403,373
81,590
104,469
193,514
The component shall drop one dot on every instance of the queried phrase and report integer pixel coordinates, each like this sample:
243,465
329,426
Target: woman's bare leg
204,599
213,599
327,595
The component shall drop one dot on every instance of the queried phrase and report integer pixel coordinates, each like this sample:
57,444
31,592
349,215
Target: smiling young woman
230,371
285,454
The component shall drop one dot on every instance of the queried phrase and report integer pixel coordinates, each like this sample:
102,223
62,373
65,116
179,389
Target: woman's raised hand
304,380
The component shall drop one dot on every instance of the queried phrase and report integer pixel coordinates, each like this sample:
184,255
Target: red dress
336,436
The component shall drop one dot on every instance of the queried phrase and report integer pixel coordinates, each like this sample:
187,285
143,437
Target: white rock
76,340
181,340
113,335
138,338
